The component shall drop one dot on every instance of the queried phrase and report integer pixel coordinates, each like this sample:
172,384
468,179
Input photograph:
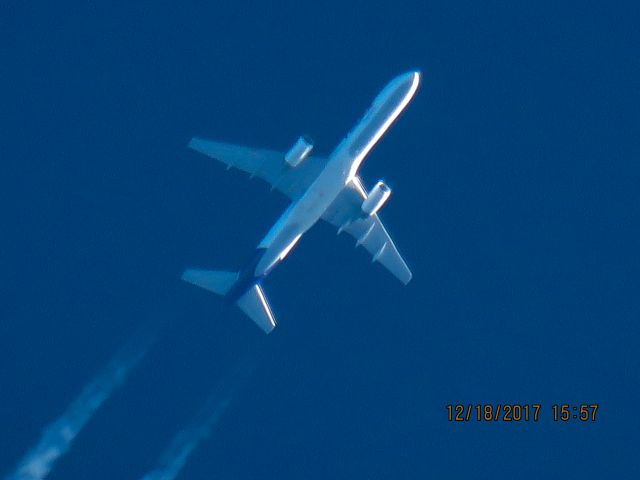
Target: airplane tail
253,302
216,281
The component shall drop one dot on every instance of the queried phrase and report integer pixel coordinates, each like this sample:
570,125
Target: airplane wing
268,165
346,214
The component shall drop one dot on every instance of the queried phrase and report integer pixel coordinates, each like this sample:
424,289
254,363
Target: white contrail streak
58,436
185,442
174,458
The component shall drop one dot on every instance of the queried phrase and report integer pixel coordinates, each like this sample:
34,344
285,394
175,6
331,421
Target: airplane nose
410,74
407,82
413,78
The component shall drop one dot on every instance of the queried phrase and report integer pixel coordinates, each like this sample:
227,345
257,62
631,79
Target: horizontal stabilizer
254,304
215,281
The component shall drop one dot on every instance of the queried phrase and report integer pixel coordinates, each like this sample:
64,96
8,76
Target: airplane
320,188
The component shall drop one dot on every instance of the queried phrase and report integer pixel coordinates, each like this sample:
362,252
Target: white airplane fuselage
341,168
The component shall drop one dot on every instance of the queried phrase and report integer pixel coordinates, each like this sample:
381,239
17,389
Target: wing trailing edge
346,214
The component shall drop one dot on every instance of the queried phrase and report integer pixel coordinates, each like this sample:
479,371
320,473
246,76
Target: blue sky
515,203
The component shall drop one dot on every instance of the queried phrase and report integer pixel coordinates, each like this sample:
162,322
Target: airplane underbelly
296,220
279,248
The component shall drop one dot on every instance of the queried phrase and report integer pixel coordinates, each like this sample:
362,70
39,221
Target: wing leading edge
345,213
269,165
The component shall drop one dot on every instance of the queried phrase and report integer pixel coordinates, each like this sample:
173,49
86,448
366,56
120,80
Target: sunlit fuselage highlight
341,168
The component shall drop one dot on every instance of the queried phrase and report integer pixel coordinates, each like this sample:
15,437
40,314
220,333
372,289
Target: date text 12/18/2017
516,412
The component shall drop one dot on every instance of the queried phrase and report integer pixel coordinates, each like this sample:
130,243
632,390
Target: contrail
185,442
174,458
58,436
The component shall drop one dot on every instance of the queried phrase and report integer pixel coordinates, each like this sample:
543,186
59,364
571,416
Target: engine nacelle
376,198
301,150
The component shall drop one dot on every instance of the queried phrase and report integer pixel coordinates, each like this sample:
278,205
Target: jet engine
376,198
300,151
